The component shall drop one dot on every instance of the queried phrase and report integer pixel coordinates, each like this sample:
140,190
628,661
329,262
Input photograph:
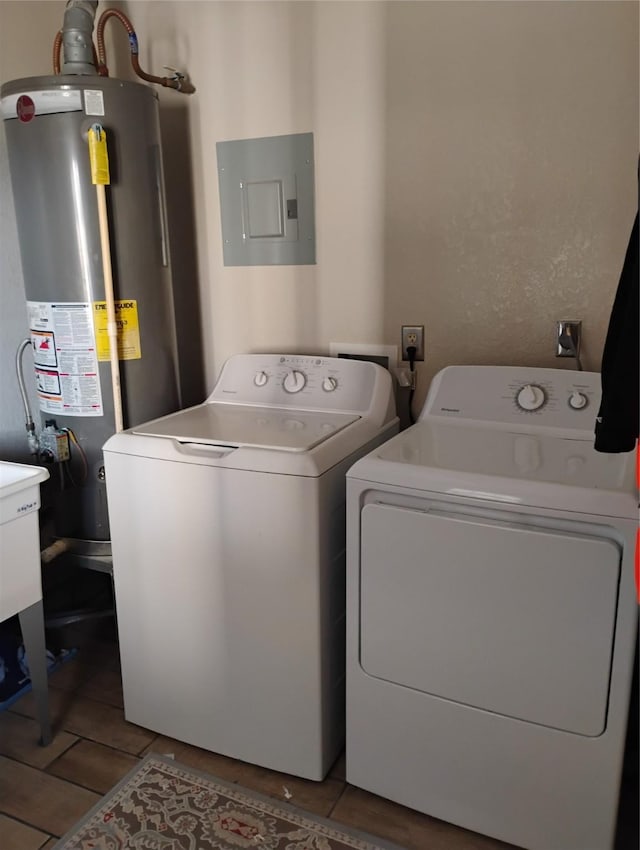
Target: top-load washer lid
288,414
289,403
248,426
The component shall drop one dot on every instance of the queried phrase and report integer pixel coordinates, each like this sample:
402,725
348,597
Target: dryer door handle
215,452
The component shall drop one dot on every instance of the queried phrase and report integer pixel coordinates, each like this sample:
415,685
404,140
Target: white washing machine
228,539
491,610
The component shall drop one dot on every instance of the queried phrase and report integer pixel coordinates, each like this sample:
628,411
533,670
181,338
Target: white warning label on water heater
64,352
93,102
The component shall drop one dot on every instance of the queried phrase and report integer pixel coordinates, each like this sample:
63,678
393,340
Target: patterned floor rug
163,805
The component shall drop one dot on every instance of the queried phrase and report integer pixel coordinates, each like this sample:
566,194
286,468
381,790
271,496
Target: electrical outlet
413,335
568,338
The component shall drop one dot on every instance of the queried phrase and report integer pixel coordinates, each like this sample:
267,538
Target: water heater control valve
54,443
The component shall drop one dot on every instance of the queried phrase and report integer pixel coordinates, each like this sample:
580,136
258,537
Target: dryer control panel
547,398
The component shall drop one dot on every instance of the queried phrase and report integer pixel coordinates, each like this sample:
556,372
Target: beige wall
266,69
511,157
475,166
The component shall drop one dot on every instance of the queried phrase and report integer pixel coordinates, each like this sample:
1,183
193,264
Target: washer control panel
554,398
303,382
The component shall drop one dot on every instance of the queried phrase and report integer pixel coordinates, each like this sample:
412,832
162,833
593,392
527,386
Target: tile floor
45,790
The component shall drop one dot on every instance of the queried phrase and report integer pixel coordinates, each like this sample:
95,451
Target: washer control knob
329,384
260,379
294,381
530,397
578,401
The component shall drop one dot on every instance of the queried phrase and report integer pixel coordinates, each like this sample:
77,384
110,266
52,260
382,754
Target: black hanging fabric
617,421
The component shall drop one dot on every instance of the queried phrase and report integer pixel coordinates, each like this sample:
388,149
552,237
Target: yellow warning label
98,156
128,330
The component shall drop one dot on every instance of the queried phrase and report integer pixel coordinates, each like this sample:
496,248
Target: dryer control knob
294,381
530,397
260,379
329,384
578,401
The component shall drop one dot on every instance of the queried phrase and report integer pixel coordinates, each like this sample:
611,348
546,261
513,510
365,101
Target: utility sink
20,578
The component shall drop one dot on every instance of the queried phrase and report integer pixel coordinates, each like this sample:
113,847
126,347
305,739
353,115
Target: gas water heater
47,121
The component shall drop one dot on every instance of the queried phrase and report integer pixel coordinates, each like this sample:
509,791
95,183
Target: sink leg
32,626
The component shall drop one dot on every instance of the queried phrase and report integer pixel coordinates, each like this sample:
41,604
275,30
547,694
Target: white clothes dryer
228,540
491,610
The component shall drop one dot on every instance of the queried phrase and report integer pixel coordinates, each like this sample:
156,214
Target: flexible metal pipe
176,82
23,392
32,438
57,47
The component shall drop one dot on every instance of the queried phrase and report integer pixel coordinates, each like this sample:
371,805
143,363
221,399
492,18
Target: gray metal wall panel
287,160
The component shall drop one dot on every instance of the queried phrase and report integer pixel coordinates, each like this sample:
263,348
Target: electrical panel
267,200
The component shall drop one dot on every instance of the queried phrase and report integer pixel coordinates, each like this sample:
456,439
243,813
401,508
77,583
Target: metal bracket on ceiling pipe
77,37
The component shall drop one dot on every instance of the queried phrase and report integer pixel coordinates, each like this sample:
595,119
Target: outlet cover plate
413,335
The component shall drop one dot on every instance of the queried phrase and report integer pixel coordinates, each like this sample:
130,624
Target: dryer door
510,618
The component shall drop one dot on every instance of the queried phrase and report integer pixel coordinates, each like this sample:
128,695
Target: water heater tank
46,120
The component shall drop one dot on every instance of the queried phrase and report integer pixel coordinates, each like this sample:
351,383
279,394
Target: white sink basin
20,580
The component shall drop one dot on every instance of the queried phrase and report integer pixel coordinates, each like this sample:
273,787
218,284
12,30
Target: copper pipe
102,20
57,44
169,82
